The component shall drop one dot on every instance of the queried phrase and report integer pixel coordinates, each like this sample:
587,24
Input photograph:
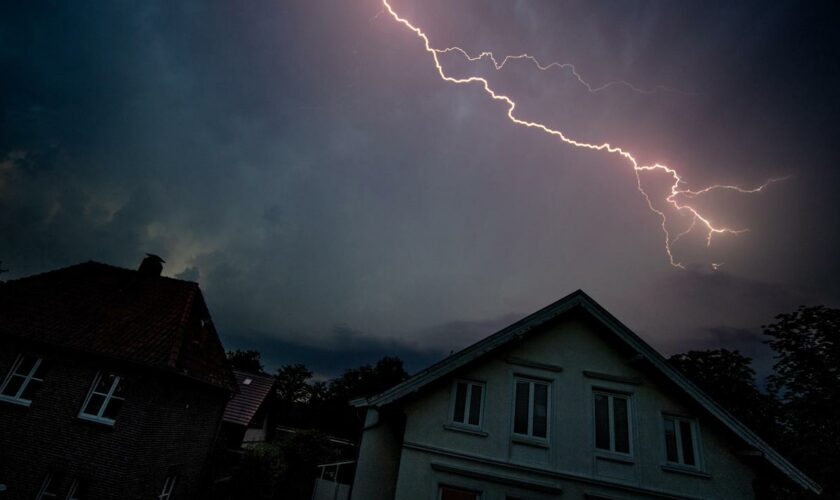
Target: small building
568,403
250,416
112,384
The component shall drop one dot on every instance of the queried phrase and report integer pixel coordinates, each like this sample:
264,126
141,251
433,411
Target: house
112,384
250,415
567,403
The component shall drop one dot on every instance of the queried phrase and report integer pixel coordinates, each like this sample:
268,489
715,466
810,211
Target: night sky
337,201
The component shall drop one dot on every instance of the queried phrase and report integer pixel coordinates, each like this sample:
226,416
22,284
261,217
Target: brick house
113,384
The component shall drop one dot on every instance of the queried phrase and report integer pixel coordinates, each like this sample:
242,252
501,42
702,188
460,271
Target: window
612,423
48,488
105,398
23,380
466,404
168,486
450,493
681,445
530,408
76,491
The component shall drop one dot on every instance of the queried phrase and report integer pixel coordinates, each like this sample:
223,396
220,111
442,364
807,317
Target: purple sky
337,201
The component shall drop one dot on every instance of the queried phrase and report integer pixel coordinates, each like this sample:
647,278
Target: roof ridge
99,264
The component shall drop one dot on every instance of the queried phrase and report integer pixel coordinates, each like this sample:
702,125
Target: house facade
113,385
565,403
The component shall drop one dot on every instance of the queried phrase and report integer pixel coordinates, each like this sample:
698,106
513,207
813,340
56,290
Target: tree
292,383
248,361
330,405
807,383
727,377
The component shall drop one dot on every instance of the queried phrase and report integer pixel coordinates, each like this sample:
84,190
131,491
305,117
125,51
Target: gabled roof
254,389
581,301
148,320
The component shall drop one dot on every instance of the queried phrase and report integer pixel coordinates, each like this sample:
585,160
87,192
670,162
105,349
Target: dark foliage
248,361
727,377
807,384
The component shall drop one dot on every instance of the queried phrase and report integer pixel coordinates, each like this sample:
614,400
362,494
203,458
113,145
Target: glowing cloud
679,194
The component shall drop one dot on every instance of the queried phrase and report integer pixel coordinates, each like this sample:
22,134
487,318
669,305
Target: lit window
23,380
48,488
530,409
105,398
681,445
168,486
466,407
612,423
450,493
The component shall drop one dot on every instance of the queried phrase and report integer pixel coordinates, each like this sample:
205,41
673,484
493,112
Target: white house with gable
565,403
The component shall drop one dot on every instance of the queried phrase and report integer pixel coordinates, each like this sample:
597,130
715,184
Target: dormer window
23,380
105,399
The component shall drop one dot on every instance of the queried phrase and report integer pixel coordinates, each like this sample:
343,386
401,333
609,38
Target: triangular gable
579,299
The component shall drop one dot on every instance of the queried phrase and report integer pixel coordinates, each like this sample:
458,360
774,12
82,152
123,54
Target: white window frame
43,492
71,492
99,418
611,395
531,381
27,379
695,441
168,487
467,404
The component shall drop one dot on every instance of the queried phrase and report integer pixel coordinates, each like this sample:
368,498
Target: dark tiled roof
242,408
118,313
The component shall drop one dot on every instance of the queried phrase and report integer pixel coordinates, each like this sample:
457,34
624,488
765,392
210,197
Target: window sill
614,457
529,441
17,402
95,420
681,469
466,430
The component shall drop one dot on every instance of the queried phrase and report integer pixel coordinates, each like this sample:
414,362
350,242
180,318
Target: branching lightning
562,66
679,193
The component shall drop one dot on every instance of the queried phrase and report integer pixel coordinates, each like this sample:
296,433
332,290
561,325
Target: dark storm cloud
304,163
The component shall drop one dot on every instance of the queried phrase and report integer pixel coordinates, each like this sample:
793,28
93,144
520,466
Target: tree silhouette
807,384
727,377
248,361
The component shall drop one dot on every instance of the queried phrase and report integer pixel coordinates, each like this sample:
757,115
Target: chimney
152,265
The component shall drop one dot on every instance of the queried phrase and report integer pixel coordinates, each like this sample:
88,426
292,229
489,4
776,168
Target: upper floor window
530,408
23,380
468,399
681,445
168,487
612,422
105,398
76,490
48,488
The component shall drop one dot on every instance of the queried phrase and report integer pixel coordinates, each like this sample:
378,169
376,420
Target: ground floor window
453,493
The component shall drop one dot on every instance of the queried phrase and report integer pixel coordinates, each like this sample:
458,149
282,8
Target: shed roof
253,391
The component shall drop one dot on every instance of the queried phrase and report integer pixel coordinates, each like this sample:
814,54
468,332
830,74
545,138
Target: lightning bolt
562,66
678,192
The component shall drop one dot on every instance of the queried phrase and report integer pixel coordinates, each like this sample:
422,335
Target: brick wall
166,426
